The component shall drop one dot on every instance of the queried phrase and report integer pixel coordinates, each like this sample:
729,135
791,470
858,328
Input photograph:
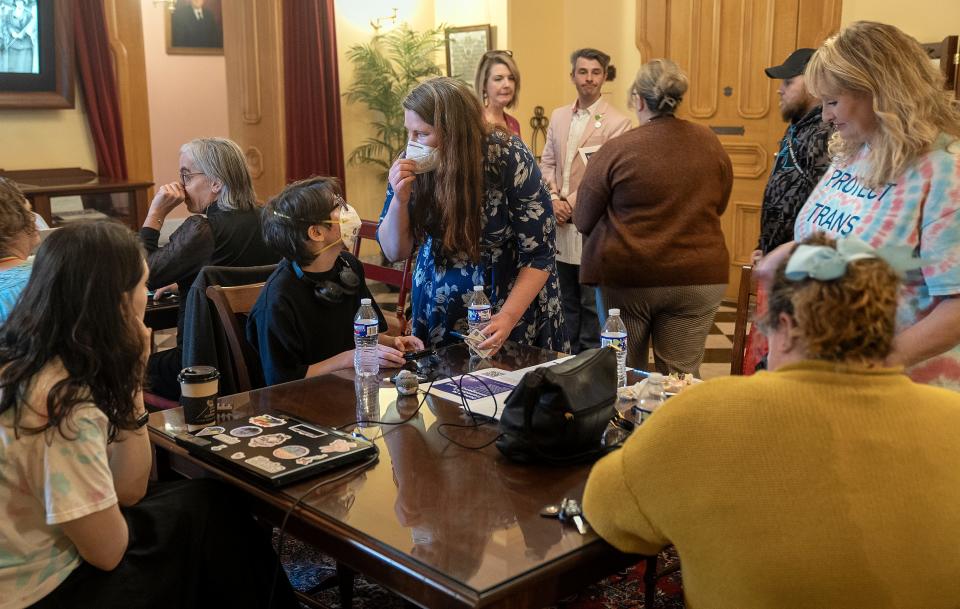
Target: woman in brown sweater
649,208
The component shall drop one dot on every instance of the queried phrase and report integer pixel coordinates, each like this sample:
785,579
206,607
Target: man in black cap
802,158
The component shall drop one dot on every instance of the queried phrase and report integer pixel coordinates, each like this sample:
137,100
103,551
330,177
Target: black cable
283,525
478,419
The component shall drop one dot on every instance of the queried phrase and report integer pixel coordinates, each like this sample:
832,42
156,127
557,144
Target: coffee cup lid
198,374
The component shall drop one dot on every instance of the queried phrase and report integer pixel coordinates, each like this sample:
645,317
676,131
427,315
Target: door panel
724,46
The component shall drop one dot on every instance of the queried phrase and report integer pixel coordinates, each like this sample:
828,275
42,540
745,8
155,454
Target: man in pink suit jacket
576,131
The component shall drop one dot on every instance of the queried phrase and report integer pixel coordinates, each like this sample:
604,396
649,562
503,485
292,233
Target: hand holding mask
426,157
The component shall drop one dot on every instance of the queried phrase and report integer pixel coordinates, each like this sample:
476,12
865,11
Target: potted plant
385,70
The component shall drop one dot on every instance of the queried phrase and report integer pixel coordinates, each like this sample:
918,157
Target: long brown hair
449,201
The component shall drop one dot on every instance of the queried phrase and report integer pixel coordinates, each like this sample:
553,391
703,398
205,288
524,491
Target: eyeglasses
186,175
496,52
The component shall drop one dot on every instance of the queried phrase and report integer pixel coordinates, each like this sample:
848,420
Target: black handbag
557,414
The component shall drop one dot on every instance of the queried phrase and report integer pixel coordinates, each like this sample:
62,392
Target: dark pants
162,370
192,544
579,309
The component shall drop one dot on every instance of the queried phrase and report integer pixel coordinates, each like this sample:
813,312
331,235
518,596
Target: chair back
230,302
745,298
402,279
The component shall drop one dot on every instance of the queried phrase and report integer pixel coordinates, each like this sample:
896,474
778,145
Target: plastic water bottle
653,397
615,335
478,310
365,330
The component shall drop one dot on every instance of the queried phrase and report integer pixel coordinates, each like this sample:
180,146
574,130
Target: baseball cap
793,66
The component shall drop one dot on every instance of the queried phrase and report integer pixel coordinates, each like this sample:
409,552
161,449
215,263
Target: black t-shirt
291,328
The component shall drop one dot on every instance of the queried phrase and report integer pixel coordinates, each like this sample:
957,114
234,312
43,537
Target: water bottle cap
364,301
478,288
614,312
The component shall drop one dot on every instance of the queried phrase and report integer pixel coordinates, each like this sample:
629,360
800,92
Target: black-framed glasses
186,175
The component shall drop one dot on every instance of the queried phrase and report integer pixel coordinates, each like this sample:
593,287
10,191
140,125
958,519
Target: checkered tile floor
716,360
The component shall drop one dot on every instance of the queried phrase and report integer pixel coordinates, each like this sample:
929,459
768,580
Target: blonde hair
848,319
450,199
661,84
908,99
490,59
222,160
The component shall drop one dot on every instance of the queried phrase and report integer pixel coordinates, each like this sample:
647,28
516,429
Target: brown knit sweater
649,208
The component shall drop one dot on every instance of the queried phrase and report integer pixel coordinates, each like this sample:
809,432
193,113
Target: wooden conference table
441,525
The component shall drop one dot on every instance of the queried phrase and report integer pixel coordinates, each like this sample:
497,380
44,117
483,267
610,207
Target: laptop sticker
305,430
293,451
338,446
266,420
311,459
247,431
265,464
273,439
225,438
238,455
210,431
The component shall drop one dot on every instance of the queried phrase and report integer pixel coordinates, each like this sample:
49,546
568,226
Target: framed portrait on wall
194,27
36,54
465,49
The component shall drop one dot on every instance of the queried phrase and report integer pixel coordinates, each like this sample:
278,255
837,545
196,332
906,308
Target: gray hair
222,160
661,84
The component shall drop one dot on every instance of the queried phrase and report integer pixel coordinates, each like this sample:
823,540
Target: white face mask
349,226
426,157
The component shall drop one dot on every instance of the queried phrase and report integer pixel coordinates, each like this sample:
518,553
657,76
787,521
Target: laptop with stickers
275,448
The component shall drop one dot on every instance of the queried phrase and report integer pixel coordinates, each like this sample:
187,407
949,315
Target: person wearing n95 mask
302,322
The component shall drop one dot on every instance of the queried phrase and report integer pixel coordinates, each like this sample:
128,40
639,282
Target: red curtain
99,85
312,90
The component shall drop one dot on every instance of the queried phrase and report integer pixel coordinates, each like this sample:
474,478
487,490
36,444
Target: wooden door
724,46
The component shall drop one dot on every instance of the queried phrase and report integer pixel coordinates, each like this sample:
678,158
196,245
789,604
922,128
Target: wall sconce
171,5
377,23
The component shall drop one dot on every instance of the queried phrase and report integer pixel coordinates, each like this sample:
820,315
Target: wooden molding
749,159
125,30
818,20
653,28
253,52
746,225
703,57
756,53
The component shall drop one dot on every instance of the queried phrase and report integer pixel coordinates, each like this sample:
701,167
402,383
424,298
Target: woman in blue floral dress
471,198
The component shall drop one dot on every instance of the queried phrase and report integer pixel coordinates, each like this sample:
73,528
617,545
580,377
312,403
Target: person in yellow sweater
829,482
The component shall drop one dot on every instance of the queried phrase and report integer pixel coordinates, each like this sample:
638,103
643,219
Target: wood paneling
253,50
724,46
125,29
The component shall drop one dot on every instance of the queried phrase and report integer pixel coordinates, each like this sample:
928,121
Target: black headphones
332,292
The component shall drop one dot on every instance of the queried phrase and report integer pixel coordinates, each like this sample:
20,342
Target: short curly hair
849,319
15,216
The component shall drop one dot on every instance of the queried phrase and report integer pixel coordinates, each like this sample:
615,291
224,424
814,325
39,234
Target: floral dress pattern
518,231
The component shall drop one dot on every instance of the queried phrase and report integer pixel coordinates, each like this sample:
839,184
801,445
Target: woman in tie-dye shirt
79,529
895,180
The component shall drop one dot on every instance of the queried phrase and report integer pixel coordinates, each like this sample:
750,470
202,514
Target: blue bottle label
617,342
478,315
364,330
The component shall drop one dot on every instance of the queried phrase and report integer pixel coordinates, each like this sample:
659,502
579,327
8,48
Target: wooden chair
229,302
745,299
402,279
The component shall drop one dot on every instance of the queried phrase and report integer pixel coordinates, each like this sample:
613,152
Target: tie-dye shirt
46,480
918,209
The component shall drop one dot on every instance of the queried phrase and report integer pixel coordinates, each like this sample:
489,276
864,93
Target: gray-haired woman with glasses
216,187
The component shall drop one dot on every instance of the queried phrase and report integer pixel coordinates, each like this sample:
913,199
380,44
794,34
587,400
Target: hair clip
825,263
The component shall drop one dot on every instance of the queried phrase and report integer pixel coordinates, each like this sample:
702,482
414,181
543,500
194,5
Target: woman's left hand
498,331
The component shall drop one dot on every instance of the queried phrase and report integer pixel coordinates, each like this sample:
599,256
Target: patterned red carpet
306,567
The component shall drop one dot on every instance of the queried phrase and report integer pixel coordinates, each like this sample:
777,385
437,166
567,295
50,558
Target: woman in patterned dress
474,203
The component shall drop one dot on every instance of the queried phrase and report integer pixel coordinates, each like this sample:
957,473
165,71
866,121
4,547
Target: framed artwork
36,54
465,49
194,27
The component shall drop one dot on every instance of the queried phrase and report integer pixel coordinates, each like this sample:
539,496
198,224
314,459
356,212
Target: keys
567,511
570,512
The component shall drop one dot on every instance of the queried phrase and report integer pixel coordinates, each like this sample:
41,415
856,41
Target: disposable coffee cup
198,395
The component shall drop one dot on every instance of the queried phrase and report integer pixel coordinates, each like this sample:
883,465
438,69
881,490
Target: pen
457,335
